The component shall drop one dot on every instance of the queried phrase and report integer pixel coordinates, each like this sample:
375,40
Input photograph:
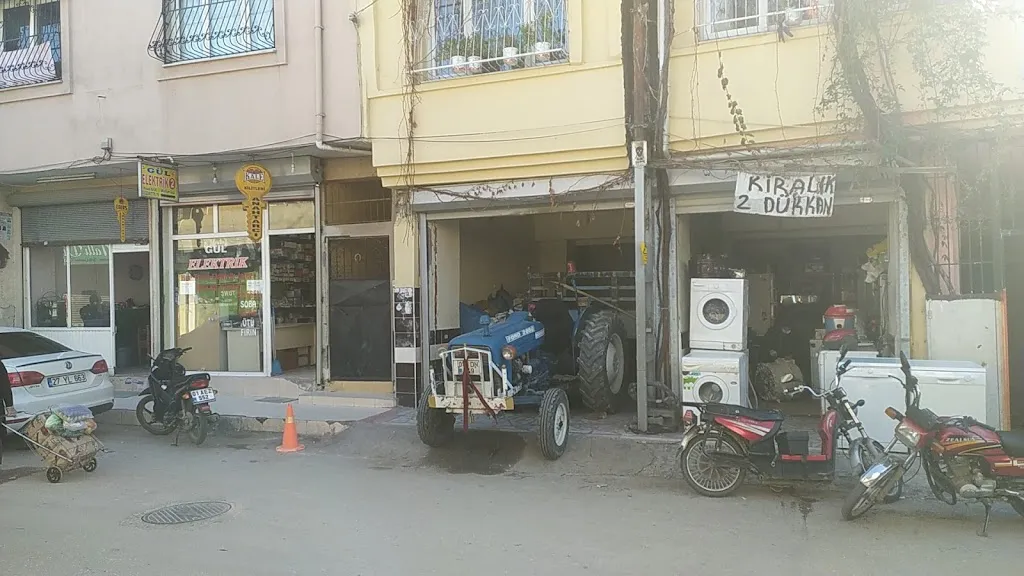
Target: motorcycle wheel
714,480
144,413
896,493
859,501
199,427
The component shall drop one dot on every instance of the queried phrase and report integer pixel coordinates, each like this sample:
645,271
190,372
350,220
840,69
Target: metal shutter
93,223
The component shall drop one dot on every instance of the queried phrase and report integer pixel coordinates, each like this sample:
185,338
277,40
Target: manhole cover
185,513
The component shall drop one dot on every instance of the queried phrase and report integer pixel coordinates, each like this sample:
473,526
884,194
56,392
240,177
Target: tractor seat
1013,443
736,410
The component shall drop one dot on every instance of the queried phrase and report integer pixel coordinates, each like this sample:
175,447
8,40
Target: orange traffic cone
290,442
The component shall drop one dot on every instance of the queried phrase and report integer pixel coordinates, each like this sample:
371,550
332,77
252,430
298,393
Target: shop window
292,215
358,202
218,304
193,220
48,287
89,294
231,218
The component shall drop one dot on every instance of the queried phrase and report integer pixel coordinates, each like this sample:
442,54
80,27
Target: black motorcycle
176,401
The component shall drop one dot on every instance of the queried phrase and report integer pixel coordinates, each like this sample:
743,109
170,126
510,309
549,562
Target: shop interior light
68,178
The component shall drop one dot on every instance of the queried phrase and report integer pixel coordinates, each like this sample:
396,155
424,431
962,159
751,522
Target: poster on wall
785,196
6,226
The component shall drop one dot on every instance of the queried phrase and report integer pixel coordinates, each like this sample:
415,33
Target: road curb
229,423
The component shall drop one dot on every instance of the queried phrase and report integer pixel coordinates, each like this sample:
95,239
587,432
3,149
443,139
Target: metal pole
639,155
675,343
423,246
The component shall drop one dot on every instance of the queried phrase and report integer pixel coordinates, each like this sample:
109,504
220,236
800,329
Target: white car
44,373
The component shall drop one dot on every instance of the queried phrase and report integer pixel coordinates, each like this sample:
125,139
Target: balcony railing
31,49
201,29
718,19
465,37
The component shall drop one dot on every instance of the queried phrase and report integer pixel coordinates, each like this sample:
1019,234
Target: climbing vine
946,42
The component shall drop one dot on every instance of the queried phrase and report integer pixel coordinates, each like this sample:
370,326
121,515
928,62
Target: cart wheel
90,465
54,474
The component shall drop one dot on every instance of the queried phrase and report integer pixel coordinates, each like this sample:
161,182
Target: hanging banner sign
121,210
254,182
158,181
806,196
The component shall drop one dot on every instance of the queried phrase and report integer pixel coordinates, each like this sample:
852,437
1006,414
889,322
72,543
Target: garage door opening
572,272
811,286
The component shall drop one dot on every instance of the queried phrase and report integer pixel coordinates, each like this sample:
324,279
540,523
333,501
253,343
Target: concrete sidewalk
315,414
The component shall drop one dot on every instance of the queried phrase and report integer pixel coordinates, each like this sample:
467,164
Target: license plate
67,380
474,367
203,396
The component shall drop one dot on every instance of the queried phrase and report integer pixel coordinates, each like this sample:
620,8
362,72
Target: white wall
11,275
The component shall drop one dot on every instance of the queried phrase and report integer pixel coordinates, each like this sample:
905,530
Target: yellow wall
778,85
553,120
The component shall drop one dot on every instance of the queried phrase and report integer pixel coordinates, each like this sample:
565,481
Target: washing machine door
717,311
710,388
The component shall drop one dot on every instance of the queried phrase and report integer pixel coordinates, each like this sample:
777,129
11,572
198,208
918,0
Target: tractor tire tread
596,333
435,427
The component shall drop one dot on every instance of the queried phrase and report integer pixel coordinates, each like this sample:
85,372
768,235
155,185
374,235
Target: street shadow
481,452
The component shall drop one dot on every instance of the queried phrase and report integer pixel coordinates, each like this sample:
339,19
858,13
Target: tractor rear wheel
602,360
434,426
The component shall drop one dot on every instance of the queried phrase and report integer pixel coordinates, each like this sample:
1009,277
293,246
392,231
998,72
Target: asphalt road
353,507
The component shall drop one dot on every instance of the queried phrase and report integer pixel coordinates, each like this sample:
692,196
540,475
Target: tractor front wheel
434,426
602,359
554,423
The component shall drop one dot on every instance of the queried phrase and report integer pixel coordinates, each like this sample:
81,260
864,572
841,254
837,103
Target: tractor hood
518,329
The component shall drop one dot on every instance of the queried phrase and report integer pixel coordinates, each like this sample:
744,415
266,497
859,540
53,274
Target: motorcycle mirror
787,378
843,350
904,363
859,403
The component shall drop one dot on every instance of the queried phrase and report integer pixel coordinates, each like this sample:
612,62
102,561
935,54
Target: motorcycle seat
1013,443
737,410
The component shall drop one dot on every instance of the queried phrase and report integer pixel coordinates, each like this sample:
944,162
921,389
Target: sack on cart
70,421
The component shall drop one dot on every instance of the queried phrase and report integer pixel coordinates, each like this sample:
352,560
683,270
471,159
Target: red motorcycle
961,458
724,442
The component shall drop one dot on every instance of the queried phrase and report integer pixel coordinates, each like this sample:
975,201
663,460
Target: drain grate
186,513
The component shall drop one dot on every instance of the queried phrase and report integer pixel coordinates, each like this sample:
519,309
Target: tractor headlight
508,352
710,393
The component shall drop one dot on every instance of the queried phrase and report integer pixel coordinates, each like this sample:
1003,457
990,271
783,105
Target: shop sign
231,263
121,211
158,181
95,254
785,196
254,182
6,226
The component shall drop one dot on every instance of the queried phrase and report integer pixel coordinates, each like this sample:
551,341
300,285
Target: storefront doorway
93,298
130,312
359,309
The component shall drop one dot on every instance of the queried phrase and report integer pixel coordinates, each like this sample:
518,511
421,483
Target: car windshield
22,344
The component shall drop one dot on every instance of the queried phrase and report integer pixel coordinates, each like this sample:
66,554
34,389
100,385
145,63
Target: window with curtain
31,44
202,29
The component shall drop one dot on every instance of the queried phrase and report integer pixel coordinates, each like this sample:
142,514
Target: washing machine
716,376
718,314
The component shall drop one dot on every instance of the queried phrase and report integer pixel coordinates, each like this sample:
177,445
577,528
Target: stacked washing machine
716,369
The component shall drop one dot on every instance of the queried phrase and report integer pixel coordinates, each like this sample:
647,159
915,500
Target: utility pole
641,208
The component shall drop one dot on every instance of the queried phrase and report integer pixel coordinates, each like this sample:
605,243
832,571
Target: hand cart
60,454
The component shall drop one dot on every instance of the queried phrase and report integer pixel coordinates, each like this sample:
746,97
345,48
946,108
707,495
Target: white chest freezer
948,388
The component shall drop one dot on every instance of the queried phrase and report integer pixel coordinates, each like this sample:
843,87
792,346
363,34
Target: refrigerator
948,388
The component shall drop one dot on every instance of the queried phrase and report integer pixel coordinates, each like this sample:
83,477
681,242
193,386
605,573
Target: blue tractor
528,358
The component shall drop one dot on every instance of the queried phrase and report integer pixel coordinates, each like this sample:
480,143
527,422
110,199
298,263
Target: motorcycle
961,458
174,401
724,442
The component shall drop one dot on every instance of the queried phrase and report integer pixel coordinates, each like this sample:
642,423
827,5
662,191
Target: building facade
201,89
